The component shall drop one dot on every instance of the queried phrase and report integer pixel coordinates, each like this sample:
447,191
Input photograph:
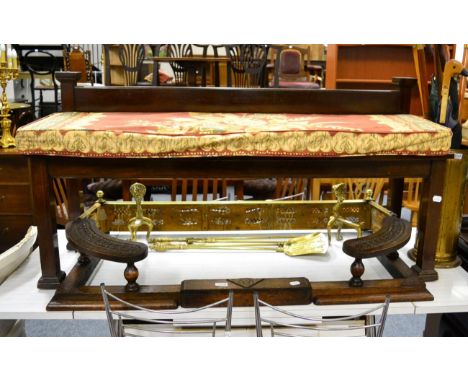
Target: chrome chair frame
372,329
117,325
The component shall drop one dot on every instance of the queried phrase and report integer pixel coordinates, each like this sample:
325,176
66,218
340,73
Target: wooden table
44,168
193,65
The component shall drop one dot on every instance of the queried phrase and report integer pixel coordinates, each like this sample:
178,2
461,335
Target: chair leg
258,321
33,101
56,102
370,320
83,259
394,255
414,218
41,104
227,329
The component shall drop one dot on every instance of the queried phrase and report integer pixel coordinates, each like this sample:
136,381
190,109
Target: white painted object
13,257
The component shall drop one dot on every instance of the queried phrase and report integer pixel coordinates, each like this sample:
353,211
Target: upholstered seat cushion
185,134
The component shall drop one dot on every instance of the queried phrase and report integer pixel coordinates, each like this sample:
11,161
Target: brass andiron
8,71
138,191
310,244
336,218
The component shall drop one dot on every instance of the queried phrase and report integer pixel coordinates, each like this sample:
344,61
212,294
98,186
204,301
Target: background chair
217,188
78,60
215,76
42,66
277,188
411,198
132,56
181,70
356,188
292,188
247,65
183,189
290,63
135,322
61,200
125,65
288,324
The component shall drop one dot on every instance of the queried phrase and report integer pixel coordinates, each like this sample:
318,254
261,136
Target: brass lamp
8,71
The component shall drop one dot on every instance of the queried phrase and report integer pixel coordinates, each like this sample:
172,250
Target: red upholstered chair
289,69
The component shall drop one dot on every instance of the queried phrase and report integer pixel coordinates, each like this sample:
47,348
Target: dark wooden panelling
15,199
12,229
16,209
14,169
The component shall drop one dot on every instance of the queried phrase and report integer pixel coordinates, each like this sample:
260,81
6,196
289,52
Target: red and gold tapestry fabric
231,134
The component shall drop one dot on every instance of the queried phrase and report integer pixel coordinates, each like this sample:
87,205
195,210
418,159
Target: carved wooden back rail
159,99
231,100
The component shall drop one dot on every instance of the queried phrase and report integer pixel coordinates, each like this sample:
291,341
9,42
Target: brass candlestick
8,71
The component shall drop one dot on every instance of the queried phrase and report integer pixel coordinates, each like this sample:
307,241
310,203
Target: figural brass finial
100,196
336,218
138,191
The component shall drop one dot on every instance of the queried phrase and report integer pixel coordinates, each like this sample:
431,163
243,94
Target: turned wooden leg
357,270
393,255
70,247
83,259
131,275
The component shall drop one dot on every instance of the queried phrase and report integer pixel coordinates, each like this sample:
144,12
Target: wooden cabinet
16,208
357,66
114,73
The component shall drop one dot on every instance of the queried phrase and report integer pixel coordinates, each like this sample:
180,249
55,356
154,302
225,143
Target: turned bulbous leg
131,275
393,256
357,270
83,259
